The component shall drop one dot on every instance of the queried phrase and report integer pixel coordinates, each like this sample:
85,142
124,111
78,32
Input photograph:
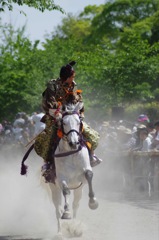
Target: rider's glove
52,112
55,113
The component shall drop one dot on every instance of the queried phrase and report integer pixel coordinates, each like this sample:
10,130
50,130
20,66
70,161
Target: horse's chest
69,169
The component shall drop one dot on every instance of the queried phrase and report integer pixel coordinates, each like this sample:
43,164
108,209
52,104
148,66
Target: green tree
20,74
40,5
120,14
126,33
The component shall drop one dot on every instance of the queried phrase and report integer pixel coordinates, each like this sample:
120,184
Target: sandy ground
26,211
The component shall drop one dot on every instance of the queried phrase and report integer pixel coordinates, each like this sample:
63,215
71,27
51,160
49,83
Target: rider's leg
94,160
48,169
44,147
92,137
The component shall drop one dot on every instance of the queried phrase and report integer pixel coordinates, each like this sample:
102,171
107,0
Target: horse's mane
69,107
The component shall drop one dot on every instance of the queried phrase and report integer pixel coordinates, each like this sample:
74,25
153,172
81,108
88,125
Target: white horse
73,168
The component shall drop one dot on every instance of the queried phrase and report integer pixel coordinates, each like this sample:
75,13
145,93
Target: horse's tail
23,166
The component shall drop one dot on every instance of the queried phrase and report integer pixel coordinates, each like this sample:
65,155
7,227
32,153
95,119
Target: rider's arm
48,96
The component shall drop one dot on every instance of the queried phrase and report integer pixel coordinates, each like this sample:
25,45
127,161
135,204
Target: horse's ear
79,106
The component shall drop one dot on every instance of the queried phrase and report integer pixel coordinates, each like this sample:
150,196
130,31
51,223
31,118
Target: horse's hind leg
66,194
77,197
93,204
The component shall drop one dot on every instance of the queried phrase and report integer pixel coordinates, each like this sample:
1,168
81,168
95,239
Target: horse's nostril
73,145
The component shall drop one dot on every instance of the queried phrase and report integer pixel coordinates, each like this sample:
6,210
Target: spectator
18,134
143,119
125,138
145,140
151,130
155,140
38,125
138,144
19,121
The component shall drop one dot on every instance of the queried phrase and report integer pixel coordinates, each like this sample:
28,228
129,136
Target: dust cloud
26,210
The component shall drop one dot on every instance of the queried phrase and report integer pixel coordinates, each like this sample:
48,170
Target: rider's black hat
67,70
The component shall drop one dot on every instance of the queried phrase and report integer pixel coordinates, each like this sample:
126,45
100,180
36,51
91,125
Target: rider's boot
48,172
94,160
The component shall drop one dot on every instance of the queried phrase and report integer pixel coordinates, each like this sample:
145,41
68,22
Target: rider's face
70,79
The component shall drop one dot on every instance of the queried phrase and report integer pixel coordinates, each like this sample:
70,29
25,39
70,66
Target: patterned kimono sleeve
48,96
80,99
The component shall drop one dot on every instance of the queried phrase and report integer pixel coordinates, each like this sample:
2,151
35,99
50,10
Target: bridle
79,133
72,130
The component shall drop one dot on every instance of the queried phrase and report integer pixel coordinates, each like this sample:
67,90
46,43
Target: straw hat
141,126
105,124
124,130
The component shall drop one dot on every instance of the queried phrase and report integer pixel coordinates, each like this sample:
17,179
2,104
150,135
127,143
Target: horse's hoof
93,204
66,215
59,236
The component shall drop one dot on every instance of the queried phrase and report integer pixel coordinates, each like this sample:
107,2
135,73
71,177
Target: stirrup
94,161
48,172
45,167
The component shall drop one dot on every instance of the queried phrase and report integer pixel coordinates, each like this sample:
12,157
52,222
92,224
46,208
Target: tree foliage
116,46
20,74
40,5
116,17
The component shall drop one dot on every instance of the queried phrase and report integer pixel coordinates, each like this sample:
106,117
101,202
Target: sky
39,24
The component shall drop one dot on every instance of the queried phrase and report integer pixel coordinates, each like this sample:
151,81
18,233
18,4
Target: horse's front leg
77,197
57,200
66,194
93,204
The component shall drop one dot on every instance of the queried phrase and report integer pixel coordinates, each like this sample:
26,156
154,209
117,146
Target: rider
59,92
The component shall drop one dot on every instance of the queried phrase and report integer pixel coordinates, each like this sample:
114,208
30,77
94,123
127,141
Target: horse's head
71,124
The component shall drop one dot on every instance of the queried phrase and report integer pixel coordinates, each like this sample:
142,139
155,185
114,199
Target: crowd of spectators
142,135
135,146
22,130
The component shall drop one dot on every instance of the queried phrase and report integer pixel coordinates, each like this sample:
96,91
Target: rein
65,154
76,187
